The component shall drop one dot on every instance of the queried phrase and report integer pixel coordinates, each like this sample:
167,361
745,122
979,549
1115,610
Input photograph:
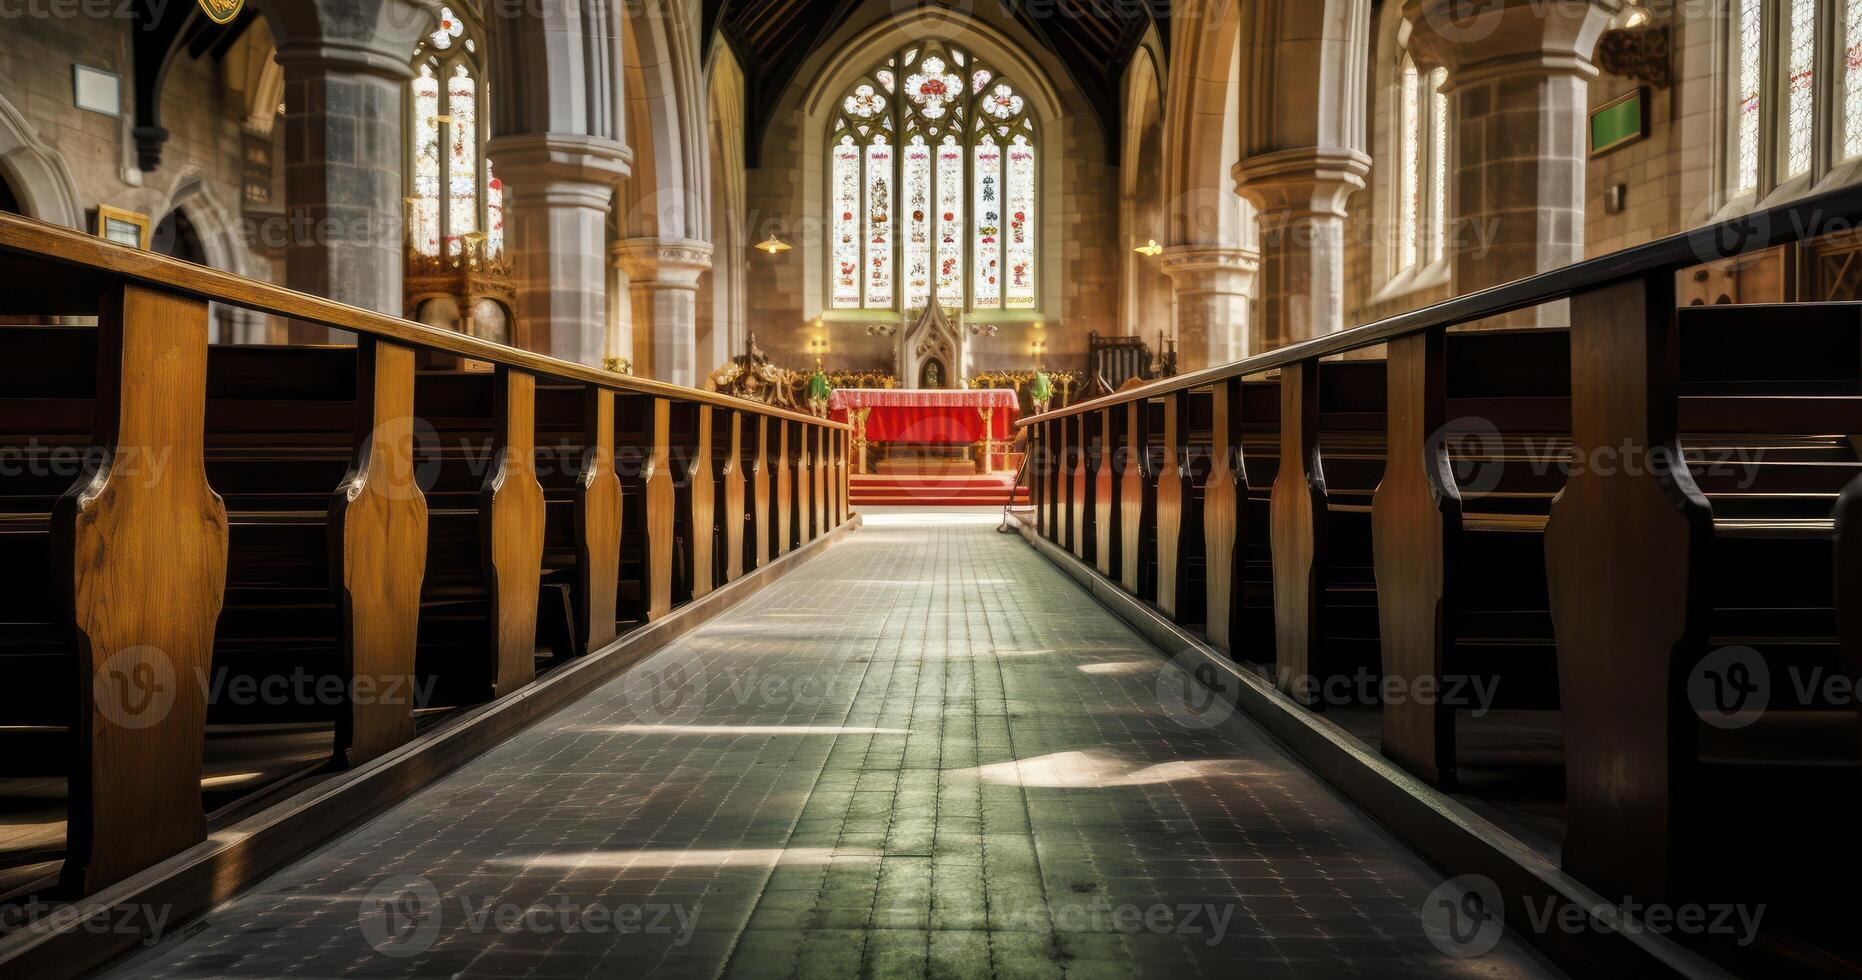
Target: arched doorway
177,237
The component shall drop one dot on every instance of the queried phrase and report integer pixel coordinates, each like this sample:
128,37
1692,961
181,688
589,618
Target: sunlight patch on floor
644,858
746,730
1094,769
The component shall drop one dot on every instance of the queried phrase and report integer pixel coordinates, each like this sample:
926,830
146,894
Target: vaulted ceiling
1094,39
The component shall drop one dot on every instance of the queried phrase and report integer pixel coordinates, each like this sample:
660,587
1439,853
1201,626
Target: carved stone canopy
932,338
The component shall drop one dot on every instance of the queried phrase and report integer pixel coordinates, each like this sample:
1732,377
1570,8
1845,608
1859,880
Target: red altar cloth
928,415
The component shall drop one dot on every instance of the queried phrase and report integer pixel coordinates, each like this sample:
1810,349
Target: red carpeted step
944,490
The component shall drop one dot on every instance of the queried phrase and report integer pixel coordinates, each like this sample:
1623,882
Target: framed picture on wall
122,227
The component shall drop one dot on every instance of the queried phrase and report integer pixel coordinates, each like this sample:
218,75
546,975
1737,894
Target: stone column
345,71
1518,86
559,191
662,281
1299,195
1214,286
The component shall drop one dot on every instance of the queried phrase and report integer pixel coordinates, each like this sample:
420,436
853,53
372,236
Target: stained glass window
1800,84
1409,189
462,154
424,209
1018,250
1422,180
987,278
1751,100
1438,165
453,197
494,212
879,223
1852,78
916,180
932,173
449,28
846,206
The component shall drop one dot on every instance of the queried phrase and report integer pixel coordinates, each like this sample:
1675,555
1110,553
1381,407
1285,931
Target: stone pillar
1214,286
345,70
559,191
1518,86
1299,195
662,280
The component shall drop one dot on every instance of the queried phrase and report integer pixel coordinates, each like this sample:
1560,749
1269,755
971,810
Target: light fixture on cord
1150,249
774,244
1632,16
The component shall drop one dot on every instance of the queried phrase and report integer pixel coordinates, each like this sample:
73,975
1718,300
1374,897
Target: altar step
952,490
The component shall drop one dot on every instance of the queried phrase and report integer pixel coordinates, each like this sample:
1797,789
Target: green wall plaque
1619,122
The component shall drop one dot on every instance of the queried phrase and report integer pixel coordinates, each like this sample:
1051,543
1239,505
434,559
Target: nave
926,752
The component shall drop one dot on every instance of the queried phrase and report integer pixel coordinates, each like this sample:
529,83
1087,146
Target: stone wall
201,165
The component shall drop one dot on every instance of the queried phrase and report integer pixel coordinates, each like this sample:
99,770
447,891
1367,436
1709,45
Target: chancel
914,488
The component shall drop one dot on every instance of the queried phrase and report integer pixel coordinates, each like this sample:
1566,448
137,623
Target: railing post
1225,499
1621,548
511,509
703,486
804,479
760,491
1082,502
597,524
1105,509
785,490
733,519
1169,506
1060,528
1416,507
140,546
822,474
378,530
1132,513
1298,520
844,505
656,476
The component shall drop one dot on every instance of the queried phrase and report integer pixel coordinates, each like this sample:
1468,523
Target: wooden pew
579,602
117,548
486,516
312,450
1478,425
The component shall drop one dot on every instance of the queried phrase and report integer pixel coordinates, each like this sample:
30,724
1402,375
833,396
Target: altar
982,417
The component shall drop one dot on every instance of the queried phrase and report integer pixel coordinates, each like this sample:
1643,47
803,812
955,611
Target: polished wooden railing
372,511
1396,511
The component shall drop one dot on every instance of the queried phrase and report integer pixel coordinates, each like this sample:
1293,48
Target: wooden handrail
1835,211
25,242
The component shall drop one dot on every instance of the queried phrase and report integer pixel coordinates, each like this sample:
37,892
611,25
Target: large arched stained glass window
453,198
932,187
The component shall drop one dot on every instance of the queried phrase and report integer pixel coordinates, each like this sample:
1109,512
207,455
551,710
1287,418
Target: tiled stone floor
927,752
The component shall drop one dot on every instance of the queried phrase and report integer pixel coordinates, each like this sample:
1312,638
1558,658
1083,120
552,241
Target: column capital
1211,268
365,37
675,262
1290,184
530,162
1508,37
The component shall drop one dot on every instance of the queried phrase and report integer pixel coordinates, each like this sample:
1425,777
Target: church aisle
926,752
